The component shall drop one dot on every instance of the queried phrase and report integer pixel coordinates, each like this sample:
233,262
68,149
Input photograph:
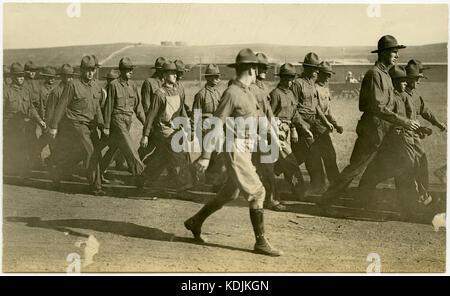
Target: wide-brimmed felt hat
97,64
88,62
159,63
169,66
397,72
16,69
181,67
413,71
287,70
311,60
66,70
245,56
420,65
212,69
48,72
126,63
326,67
112,75
30,66
387,42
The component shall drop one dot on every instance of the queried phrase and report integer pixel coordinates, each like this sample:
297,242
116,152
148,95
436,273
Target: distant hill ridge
145,54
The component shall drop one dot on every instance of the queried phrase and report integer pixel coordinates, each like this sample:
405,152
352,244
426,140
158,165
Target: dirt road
136,234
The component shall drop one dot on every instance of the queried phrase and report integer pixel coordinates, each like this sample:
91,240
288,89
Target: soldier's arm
198,100
50,106
138,109
99,116
428,115
331,117
33,113
224,110
274,100
152,114
146,92
111,94
61,106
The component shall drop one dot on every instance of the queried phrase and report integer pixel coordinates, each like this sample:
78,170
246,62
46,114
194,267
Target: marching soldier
167,104
238,101
123,100
284,106
417,108
398,154
207,100
148,89
33,85
265,170
66,73
76,119
181,69
307,149
327,152
18,111
375,95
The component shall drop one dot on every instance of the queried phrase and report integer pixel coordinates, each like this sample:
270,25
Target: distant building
181,43
166,43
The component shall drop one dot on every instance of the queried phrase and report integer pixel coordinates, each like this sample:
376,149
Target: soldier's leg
155,164
407,194
422,174
123,140
328,155
292,174
315,167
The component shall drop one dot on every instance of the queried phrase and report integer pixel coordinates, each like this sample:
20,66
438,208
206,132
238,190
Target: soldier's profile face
213,79
51,80
412,82
391,56
31,74
128,73
170,77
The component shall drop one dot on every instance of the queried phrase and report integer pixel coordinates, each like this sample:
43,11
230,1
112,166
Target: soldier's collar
16,86
382,67
210,87
123,81
409,91
284,88
239,84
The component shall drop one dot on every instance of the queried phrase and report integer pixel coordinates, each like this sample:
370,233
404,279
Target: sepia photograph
281,138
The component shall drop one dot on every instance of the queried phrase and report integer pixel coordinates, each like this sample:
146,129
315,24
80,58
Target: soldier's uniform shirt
324,99
239,101
17,103
305,92
53,99
122,99
17,107
261,92
80,101
207,100
44,93
167,104
33,86
418,108
148,89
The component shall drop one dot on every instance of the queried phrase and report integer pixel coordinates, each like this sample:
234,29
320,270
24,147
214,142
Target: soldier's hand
412,125
144,141
339,129
309,134
294,136
42,124
201,165
52,132
330,127
106,132
443,127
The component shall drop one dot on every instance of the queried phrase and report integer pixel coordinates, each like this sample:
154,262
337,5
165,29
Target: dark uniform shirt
80,101
207,100
166,105
324,99
33,86
376,94
148,89
53,99
44,93
261,92
283,103
305,92
418,108
17,103
122,99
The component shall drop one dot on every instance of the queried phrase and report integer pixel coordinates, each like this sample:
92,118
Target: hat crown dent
88,62
246,56
325,66
311,59
66,69
262,58
397,72
412,70
287,69
212,69
169,66
16,68
125,63
48,71
160,62
387,42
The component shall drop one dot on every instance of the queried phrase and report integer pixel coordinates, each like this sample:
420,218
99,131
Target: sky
33,25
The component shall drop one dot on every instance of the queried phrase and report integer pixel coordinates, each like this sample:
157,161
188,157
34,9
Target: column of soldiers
79,119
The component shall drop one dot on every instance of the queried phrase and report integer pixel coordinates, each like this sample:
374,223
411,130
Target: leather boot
262,245
194,224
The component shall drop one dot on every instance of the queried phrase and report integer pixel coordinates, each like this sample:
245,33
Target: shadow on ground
383,208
